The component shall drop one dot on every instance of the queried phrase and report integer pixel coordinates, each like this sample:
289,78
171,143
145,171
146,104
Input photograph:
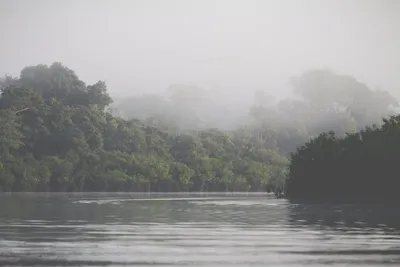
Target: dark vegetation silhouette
59,134
359,166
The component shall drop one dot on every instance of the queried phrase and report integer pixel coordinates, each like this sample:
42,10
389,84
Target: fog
237,46
228,47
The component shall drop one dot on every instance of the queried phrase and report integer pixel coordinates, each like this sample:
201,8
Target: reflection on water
188,230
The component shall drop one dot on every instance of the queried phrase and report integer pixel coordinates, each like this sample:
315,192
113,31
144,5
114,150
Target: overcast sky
235,46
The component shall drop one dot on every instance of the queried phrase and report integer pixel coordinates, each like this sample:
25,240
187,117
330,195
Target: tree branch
21,110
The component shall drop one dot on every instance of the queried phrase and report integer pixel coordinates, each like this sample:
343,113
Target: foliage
360,165
323,101
56,135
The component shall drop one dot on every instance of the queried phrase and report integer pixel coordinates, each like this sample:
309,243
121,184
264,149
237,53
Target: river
193,230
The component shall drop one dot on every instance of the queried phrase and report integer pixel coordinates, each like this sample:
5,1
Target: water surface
193,230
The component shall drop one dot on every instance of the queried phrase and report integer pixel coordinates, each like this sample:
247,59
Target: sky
229,46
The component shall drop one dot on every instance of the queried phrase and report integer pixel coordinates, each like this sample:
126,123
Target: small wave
118,201
237,203
100,201
57,262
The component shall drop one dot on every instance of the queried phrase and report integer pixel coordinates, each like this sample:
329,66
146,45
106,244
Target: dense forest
360,166
56,135
59,134
320,101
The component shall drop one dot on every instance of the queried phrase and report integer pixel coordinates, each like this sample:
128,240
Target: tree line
320,101
57,135
355,163
361,166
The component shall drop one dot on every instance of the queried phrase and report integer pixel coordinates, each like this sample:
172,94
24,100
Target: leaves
360,165
57,136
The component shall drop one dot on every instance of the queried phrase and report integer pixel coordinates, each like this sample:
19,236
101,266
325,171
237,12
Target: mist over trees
183,108
321,101
60,134
57,135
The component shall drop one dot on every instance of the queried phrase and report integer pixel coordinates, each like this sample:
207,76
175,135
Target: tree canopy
57,135
359,166
321,100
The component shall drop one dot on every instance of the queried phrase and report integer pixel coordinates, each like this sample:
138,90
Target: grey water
193,230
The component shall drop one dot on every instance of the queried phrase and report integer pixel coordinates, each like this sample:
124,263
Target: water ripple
210,231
